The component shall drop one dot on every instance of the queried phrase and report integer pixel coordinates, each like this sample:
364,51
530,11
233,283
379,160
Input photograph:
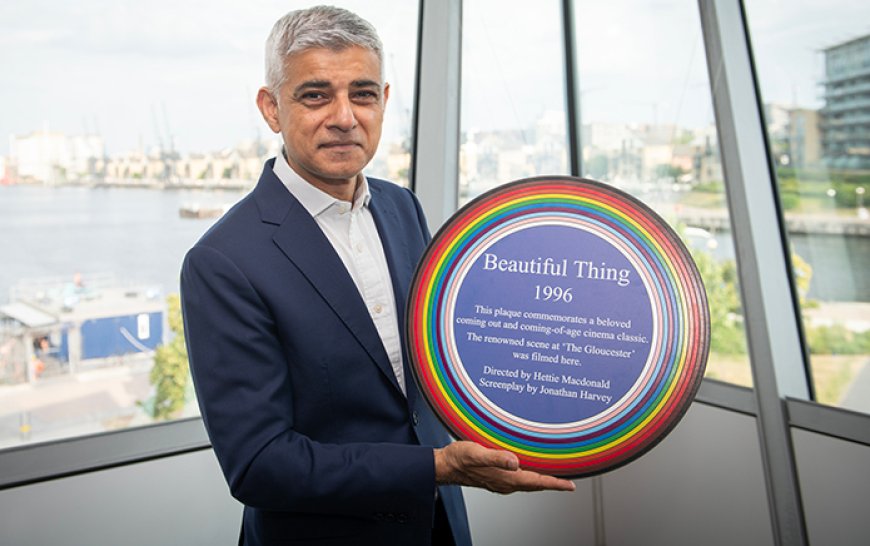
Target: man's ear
268,105
386,93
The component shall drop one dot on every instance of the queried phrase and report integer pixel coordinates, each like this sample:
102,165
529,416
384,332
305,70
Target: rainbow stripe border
677,359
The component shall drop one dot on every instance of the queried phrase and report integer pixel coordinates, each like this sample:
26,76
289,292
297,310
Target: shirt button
378,309
359,249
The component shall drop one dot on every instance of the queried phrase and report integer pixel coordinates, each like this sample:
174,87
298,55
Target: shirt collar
313,199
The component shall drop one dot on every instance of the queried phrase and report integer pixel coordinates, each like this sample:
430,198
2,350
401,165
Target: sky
136,71
639,61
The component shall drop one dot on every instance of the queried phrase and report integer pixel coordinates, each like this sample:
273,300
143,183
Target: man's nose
342,116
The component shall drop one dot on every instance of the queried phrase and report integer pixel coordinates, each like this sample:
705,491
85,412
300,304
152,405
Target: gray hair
318,27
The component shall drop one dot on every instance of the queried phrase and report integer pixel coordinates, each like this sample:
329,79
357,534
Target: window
513,108
814,76
648,128
647,125
130,128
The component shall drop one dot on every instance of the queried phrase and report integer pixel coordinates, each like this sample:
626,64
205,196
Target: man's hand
467,463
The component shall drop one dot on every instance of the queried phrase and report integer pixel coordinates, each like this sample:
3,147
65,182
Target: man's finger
482,456
532,481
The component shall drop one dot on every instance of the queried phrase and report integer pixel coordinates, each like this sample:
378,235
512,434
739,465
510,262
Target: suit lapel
395,247
400,266
303,242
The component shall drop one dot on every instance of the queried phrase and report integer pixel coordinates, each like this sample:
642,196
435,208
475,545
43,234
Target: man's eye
365,95
312,96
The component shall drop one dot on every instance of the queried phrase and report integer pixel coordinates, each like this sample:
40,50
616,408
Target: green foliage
170,375
666,170
684,138
726,319
797,187
597,167
847,197
789,201
837,340
716,186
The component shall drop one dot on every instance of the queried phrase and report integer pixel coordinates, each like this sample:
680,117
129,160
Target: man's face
329,112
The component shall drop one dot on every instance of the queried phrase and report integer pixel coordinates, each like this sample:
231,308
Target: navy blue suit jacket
296,390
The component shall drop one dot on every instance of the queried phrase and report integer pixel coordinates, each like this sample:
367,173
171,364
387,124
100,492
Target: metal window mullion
435,154
572,90
29,464
573,127
772,327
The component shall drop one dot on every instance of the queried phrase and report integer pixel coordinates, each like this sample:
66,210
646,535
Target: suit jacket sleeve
246,394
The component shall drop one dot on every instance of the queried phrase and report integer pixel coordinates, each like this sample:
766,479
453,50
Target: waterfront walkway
817,224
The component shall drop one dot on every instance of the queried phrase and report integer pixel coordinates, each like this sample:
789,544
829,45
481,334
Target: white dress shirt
351,230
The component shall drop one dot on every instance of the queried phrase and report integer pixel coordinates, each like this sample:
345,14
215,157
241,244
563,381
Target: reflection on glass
513,113
648,128
128,129
814,75
647,125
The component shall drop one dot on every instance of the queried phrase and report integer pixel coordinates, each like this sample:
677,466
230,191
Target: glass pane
813,64
648,128
128,128
513,109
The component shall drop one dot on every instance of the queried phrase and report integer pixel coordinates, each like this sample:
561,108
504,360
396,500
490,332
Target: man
293,304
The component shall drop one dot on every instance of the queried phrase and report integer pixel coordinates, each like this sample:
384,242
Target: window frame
439,53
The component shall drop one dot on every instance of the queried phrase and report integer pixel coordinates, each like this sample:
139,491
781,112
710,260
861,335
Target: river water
840,266
137,235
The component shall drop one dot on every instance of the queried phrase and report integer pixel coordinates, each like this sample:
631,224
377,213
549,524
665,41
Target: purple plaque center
553,324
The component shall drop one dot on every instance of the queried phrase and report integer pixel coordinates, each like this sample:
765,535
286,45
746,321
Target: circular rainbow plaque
561,319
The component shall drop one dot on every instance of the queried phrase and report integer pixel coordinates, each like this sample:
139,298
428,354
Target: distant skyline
135,71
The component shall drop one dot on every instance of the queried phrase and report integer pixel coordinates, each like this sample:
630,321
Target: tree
726,315
170,375
598,167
